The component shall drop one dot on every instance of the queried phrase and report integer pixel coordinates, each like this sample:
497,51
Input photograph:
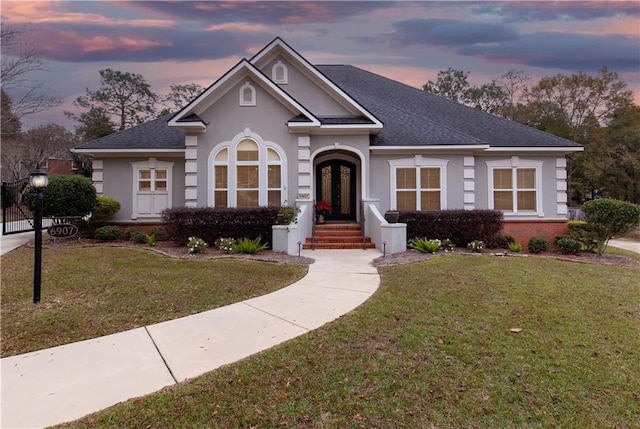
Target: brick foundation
523,230
146,227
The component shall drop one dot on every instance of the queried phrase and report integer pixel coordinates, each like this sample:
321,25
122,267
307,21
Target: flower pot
392,216
320,219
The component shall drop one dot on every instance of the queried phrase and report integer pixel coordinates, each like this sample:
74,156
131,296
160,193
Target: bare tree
22,153
19,59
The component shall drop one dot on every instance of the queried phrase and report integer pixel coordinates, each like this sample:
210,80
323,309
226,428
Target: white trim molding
149,204
514,163
232,162
417,161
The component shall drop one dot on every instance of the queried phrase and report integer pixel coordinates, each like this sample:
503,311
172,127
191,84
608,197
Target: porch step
339,236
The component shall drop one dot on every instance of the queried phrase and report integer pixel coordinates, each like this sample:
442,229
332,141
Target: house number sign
62,230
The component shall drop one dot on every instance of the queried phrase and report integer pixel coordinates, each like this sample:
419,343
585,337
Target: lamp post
39,180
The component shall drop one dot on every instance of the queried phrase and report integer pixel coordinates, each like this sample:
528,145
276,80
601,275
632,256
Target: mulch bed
170,249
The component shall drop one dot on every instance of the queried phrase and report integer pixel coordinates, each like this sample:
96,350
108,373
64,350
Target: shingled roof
154,134
411,117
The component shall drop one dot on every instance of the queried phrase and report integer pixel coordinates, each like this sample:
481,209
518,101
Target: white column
469,176
191,171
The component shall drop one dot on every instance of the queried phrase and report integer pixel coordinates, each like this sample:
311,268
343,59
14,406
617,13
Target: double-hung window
418,184
514,186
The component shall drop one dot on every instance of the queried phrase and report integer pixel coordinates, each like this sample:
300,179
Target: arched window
247,95
280,73
221,178
247,172
274,177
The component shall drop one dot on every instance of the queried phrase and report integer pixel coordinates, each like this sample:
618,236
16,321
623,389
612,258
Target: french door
336,185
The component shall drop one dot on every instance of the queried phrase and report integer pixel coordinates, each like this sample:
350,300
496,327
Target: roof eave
439,147
126,150
536,149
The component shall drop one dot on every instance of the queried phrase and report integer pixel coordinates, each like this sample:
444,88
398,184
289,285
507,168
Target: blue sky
197,41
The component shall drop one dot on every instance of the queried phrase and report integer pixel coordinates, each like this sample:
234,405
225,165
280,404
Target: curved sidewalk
65,383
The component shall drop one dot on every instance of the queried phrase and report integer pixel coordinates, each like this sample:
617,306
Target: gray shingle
430,119
411,117
154,134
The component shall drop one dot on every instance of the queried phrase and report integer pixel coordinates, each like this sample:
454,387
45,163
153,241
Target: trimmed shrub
504,241
538,245
130,232
160,234
610,218
460,226
65,196
568,245
584,233
211,223
138,237
105,209
108,233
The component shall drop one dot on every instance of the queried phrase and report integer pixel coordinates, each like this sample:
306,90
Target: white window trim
514,163
232,163
285,73
415,162
150,164
252,101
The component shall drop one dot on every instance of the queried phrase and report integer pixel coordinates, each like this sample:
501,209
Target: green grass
433,349
95,291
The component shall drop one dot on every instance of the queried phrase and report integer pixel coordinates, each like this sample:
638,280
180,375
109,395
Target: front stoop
339,236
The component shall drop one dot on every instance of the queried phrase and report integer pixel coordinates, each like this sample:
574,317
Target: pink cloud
43,12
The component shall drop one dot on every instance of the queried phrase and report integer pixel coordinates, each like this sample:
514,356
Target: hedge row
460,226
211,223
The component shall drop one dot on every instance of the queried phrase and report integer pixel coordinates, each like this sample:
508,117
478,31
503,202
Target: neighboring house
277,130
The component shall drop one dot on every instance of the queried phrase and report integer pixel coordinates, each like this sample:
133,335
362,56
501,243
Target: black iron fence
16,216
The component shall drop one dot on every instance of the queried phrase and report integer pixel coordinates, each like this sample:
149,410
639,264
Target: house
276,130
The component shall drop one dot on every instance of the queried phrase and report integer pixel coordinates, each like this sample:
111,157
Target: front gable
242,83
294,74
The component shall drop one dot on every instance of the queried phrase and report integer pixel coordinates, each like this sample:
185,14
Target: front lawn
94,291
434,348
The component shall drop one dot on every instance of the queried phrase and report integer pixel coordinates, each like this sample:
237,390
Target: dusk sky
181,42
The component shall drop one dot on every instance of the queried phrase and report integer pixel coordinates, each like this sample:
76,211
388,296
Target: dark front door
336,185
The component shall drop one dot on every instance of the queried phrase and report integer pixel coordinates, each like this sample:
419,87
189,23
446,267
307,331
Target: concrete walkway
634,246
65,383
13,241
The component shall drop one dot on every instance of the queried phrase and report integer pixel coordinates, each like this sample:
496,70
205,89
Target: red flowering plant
323,208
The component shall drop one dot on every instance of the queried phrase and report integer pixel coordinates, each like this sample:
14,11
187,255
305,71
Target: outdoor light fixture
38,180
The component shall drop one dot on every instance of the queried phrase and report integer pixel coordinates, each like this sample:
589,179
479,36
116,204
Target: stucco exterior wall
307,92
118,182
549,190
226,119
381,180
